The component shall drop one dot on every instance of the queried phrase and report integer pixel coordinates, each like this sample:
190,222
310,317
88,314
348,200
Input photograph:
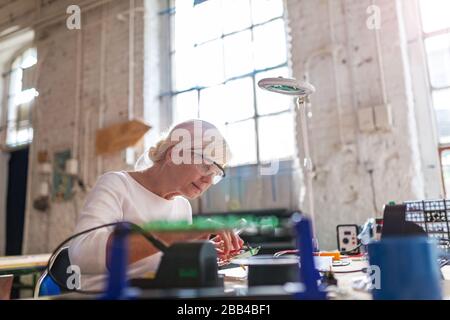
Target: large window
20,98
436,30
220,50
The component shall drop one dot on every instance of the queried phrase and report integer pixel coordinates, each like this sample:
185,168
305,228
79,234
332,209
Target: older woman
183,165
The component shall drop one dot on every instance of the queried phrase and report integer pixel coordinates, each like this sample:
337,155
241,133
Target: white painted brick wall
342,186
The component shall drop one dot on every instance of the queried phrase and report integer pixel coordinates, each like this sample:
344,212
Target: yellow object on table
336,255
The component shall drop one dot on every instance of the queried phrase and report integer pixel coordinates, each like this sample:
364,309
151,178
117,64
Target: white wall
353,68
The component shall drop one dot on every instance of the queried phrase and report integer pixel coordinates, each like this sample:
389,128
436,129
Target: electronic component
433,217
378,228
429,217
266,270
185,265
347,238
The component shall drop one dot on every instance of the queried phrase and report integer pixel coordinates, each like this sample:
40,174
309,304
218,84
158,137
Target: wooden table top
23,264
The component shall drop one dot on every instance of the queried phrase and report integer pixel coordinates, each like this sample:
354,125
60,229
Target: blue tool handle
117,278
309,275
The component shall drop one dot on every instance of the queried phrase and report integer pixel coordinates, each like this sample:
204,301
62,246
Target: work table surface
235,287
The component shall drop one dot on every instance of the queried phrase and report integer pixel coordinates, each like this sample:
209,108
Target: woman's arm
103,205
139,247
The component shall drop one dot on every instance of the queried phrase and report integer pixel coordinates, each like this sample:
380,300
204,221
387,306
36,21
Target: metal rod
307,162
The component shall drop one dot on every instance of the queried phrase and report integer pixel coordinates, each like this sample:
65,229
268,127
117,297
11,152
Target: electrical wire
351,271
280,253
134,229
351,250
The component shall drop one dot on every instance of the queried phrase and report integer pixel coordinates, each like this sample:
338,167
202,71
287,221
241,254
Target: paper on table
234,273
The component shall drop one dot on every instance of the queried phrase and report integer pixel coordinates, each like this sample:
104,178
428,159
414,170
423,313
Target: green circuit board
219,222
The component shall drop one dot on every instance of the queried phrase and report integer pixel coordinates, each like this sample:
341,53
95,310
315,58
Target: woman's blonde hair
158,152
208,132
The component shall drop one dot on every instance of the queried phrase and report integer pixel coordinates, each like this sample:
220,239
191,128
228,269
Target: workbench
24,265
235,287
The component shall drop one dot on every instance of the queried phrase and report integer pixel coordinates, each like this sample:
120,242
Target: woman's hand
227,244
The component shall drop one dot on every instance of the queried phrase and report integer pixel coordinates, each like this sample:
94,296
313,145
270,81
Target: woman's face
189,179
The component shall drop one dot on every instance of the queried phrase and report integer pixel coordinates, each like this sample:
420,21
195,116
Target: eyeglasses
208,167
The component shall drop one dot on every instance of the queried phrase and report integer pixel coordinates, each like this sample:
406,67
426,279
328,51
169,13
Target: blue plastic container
408,269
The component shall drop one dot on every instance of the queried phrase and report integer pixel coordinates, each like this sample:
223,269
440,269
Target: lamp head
287,86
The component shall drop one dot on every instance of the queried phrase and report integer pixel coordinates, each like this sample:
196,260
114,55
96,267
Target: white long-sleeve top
115,197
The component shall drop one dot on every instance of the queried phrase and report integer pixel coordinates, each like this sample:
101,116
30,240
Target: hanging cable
134,229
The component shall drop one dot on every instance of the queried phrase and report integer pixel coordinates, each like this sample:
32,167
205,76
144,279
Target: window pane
276,136
441,103
12,113
211,104
11,135
435,14
264,10
237,14
241,138
24,114
210,64
445,159
29,58
438,52
207,20
238,100
183,64
185,106
15,82
270,44
270,102
184,27
19,108
25,96
23,136
238,54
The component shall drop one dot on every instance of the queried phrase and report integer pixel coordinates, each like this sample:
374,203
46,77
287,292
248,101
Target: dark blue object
49,287
117,279
51,281
309,275
408,269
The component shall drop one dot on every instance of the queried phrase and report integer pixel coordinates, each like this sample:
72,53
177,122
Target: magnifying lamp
301,90
290,87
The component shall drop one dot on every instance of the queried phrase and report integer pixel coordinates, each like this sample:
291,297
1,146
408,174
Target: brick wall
356,171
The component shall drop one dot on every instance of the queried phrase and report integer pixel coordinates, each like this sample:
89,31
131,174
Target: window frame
169,92
441,150
442,147
7,105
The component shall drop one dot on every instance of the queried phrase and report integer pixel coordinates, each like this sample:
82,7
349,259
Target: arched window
21,95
